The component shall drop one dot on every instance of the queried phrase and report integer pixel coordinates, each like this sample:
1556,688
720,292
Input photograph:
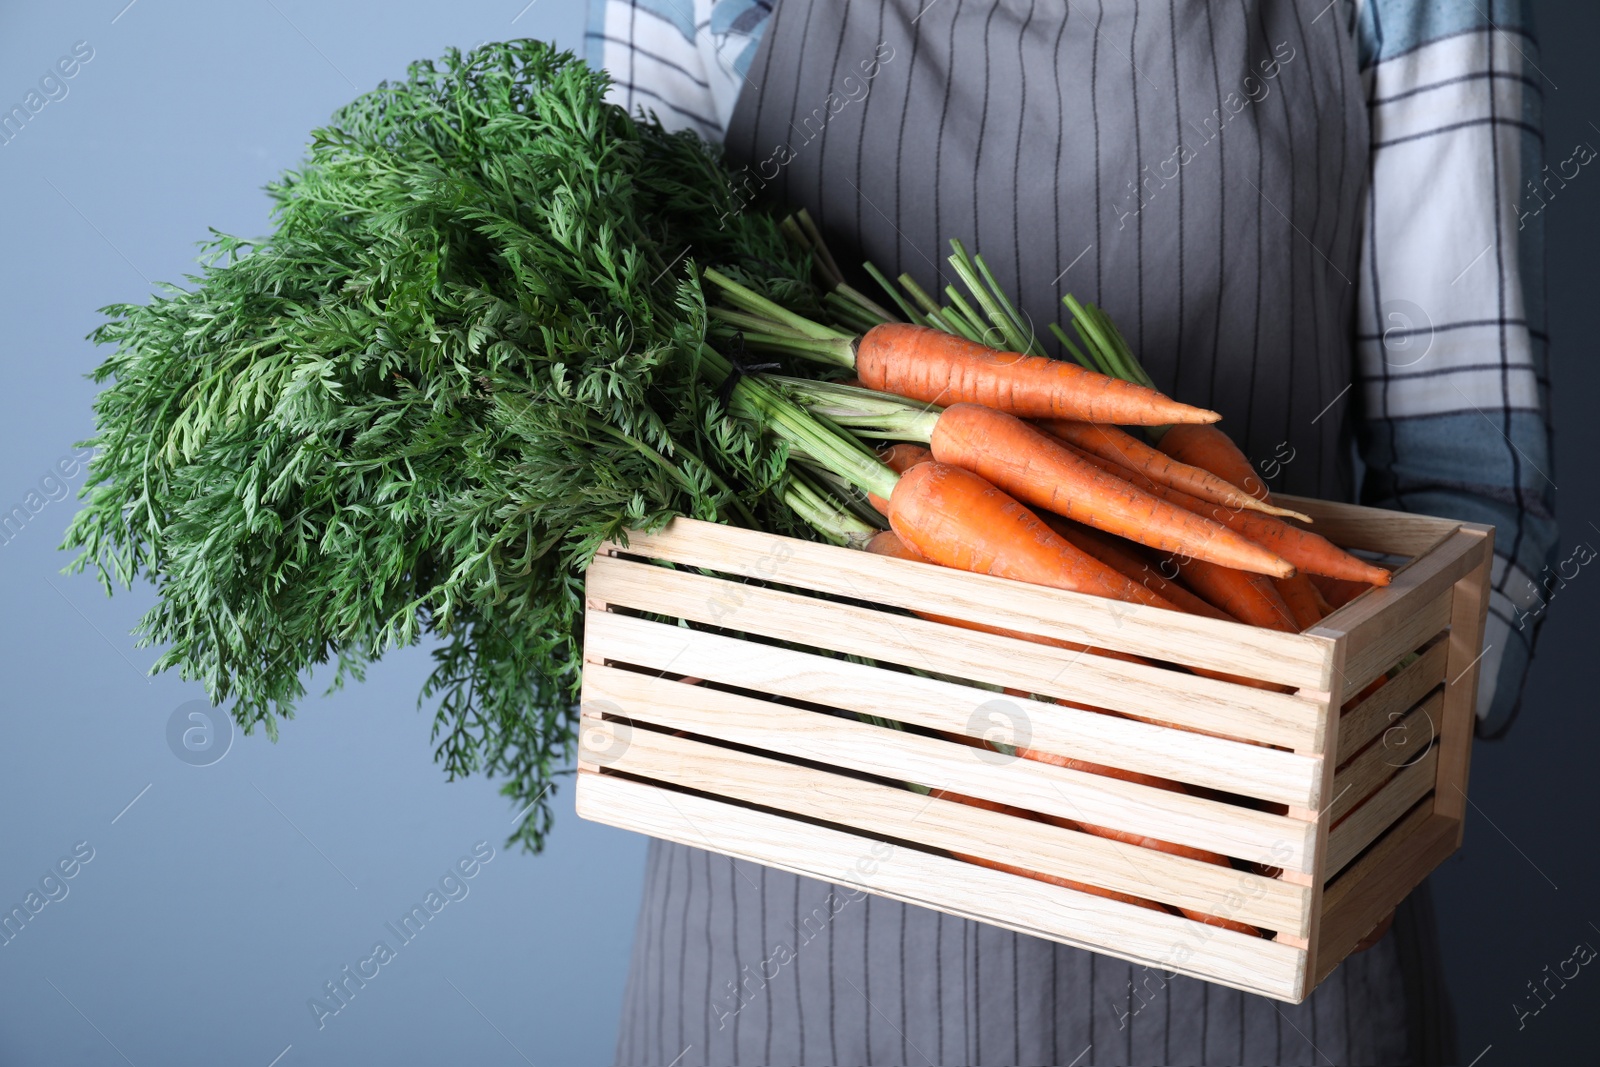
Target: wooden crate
718,713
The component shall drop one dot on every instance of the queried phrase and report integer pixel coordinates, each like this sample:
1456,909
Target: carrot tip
1272,509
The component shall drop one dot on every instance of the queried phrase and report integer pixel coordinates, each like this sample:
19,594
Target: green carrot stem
819,246
1128,359
967,271
844,494
975,322
849,314
1095,337
1023,328
911,313
758,323
1097,355
864,412
756,399
840,352
865,302
750,300
825,514
953,322
924,300
1072,350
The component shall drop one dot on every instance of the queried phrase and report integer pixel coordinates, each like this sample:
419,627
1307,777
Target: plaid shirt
1450,331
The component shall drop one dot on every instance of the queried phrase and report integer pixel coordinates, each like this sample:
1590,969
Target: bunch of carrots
997,459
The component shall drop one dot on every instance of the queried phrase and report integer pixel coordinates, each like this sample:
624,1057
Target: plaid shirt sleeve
684,60
1451,341
1450,323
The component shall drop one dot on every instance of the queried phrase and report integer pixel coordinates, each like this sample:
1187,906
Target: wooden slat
1383,625
1371,529
951,826
858,746
1381,811
1366,720
1458,717
1408,625
1360,897
1319,846
1022,904
1291,659
1411,735
1283,777
1175,697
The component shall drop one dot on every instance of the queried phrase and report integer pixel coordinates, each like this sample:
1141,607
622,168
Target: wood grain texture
1403,742
1269,774
902,814
847,743
1359,898
1381,626
1291,659
1183,699
1371,529
1459,713
1362,722
1010,901
1381,810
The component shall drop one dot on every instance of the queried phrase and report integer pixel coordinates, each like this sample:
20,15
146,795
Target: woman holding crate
1305,215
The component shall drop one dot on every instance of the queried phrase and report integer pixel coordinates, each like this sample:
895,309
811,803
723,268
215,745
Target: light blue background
206,920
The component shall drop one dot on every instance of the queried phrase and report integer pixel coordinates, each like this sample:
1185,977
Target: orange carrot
956,519
1107,551
1305,603
936,367
1338,591
899,458
1124,449
1041,470
1310,552
1247,597
1214,451
903,456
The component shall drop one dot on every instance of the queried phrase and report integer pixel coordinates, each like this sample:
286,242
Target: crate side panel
1407,626
949,825
1022,904
1199,822
1383,625
1381,810
1459,714
1291,659
1359,898
1361,722
1182,699
1402,743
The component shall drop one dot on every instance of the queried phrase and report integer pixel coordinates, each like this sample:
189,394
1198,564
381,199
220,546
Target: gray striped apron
1196,169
